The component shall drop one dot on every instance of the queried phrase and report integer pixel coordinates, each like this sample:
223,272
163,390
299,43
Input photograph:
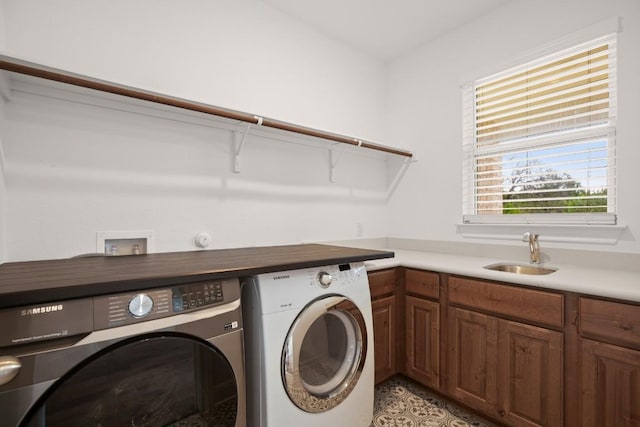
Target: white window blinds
539,140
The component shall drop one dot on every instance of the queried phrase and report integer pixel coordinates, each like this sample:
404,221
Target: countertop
617,284
33,282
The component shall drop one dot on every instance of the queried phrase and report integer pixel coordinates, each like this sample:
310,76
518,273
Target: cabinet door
530,375
472,363
610,385
422,342
384,330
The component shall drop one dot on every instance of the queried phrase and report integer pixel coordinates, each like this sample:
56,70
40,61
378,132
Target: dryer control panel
336,275
293,289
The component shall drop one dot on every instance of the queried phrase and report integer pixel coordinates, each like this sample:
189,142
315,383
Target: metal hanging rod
36,70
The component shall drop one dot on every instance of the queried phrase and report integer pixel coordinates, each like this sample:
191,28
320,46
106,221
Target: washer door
150,380
324,354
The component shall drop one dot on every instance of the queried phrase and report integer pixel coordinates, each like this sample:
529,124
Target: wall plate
125,242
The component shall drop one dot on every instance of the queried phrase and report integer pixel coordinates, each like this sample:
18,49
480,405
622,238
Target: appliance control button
140,305
324,279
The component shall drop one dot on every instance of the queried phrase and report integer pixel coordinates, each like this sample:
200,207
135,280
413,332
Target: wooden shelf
27,68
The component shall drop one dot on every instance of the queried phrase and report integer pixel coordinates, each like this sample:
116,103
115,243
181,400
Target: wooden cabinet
384,328
610,385
530,305
422,327
529,375
472,358
422,283
510,370
609,363
610,321
383,285
522,356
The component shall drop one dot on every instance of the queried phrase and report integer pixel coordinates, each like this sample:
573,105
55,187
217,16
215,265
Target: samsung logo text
42,310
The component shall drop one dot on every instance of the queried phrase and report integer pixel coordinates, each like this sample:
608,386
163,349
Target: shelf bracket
239,142
3,162
402,170
334,159
5,89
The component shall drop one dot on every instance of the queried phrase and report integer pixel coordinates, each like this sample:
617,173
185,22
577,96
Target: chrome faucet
534,247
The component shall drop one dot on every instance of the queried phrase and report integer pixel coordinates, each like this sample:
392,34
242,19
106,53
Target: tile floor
402,403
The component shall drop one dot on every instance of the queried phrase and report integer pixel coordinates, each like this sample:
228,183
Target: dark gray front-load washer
166,356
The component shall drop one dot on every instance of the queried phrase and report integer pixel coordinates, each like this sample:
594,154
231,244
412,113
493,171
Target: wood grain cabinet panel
530,375
422,283
382,282
423,341
610,366
611,322
527,304
610,385
384,330
472,358
511,371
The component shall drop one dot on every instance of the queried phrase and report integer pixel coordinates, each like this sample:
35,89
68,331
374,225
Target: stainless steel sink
521,269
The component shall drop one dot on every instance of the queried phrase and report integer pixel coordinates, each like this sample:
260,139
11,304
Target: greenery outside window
539,140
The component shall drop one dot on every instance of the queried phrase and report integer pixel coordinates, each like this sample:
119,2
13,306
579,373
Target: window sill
561,233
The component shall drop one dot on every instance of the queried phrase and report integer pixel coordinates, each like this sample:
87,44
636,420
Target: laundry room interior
250,159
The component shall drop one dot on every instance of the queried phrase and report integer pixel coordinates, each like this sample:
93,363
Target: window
539,140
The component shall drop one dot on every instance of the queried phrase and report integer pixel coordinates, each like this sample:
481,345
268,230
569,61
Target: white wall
3,193
239,54
73,170
425,109
3,34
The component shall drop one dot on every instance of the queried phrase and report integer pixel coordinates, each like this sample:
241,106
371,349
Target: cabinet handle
9,368
502,412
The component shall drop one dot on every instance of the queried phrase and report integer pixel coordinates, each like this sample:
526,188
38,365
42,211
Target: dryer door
156,379
324,353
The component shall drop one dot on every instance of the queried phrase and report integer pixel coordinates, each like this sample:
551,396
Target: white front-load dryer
309,347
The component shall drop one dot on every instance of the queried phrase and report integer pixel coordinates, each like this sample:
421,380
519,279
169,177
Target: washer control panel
127,308
187,297
140,305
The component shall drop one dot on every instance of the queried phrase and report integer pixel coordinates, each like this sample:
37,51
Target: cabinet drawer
609,321
527,304
424,283
382,282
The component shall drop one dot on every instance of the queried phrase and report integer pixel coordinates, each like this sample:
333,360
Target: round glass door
323,354
151,380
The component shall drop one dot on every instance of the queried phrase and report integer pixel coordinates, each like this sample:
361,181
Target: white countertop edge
616,284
